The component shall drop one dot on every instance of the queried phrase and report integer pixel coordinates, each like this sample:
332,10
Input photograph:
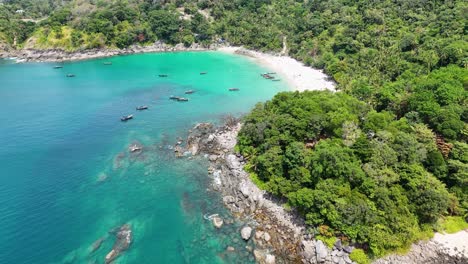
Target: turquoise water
67,178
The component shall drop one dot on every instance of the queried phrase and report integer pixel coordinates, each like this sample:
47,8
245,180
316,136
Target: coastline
59,55
298,76
287,238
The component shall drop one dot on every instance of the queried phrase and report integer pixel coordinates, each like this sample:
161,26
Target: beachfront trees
380,189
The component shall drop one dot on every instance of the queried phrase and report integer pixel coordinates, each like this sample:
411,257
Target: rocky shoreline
279,235
59,55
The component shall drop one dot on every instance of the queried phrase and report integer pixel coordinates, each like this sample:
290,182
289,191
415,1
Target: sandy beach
299,76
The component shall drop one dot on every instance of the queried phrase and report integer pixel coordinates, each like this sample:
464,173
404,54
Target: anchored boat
189,92
267,76
71,75
126,118
234,89
142,107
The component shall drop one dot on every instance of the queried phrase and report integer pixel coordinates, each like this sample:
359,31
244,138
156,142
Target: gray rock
321,251
213,158
232,162
347,259
246,232
348,249
308,249
336,259
244,189
338,244
230,249
266,237
217,221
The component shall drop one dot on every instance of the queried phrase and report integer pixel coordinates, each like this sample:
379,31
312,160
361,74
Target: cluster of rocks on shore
276,233
315,251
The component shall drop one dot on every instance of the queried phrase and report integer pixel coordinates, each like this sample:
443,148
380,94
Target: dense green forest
380,163
370,177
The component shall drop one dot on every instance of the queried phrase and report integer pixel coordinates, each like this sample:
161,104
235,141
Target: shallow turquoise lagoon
67,177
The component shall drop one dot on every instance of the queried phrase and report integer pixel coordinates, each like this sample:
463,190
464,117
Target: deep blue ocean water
67,177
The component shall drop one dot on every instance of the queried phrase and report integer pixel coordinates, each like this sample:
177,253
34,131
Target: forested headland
381,163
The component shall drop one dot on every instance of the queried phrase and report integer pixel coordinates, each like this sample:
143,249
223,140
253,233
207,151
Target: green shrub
359,256
452,224
329,241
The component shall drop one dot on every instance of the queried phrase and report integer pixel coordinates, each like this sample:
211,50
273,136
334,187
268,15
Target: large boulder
217,221
244,189
308,249
246,232
122,243
321,251
232,162
348,249
338,244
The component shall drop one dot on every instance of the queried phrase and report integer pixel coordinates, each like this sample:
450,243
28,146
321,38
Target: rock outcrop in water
122,243
97,244
246,232
217,221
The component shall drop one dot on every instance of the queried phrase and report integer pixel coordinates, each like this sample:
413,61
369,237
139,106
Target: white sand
299,76
457,240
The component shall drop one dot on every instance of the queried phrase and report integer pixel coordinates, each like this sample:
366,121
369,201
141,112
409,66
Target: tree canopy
369,176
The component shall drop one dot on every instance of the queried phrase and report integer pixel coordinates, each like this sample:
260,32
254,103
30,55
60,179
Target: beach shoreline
299,77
